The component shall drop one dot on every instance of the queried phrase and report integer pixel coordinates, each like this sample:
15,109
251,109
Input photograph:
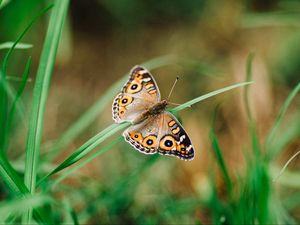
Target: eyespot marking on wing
125,100
167,143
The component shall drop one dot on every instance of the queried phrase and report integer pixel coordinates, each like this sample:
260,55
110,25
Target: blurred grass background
240,147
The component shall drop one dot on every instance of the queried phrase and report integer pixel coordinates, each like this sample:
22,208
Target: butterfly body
157,109
153,130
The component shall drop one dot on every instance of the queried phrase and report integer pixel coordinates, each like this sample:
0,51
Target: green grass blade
248,78
11,178
11,94
40,93
87,147
16,79
8,45
291,132
95,110
286,165
210,94
15,102
278,120
74,217
290,179
20,205
218,153
86,160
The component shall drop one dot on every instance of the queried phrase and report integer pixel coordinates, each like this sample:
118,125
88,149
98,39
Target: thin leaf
210,94
86,160
248,78
87,147
74,217
278,121
15,102
16,79
8,45
290,179
40,93
218,153
285,166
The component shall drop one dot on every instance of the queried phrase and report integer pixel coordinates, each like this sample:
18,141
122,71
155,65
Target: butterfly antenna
177,78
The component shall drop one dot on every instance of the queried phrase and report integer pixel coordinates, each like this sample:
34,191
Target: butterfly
153,130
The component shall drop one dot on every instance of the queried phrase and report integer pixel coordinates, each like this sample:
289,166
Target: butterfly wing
173,139
138,94
143,136
161,134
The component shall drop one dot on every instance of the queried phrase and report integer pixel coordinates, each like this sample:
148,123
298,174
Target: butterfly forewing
138,95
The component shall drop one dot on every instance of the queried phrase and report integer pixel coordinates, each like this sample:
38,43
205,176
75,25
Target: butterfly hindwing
143,136
138,94
173,140
161,134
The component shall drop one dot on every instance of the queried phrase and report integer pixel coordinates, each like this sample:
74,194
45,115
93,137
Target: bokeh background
205,43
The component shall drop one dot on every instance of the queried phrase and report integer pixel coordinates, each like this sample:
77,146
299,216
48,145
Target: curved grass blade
40,94
268,144
286,165
210,94
248,78
290,179
218,153
8,45
15,102
95,110
87,147
86,160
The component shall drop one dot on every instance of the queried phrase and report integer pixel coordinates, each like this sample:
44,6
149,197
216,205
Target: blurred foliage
231,180
287,61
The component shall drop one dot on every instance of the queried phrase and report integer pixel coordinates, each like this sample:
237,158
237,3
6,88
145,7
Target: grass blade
218,153
210,94
15,102
87,147
40,94
87,160
278,120
285,166
8,45
248,78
